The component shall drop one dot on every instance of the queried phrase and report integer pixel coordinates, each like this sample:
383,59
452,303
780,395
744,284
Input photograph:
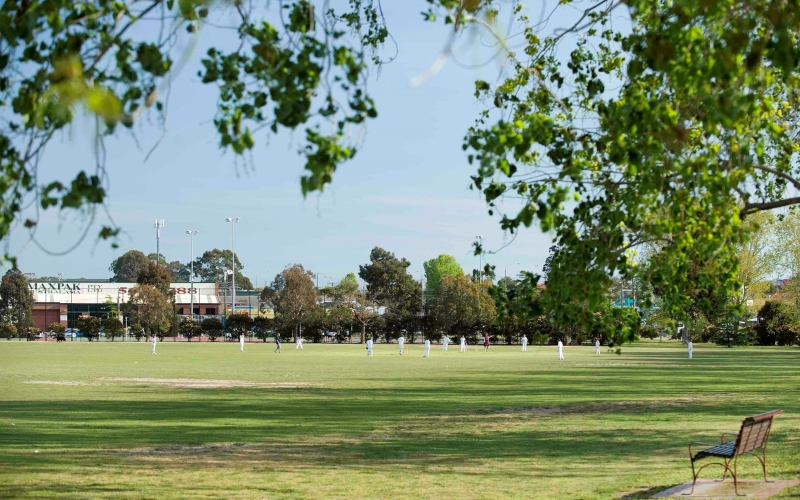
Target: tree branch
750,208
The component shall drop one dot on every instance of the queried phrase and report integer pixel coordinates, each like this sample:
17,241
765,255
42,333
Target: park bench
752,436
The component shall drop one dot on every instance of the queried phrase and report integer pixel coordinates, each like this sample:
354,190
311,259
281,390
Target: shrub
787,335
8,330
773,317
137,331
212,327
648,332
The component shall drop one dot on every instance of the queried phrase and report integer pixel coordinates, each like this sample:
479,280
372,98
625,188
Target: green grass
505,424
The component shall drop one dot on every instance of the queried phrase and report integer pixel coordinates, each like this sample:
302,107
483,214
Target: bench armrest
709,445
734,434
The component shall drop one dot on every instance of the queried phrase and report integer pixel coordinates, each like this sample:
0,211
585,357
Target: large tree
461,306
436,269
126,268
292,296
16,300
89,326
156,276
153,309
348,296
390,286
211,266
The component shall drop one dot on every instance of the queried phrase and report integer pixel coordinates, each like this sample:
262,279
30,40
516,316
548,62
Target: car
72,332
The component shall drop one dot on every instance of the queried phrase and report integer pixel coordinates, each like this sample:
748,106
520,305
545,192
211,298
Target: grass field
109,420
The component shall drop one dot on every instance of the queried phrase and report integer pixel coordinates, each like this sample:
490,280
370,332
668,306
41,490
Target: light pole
233,221
480,258
159,225
191,233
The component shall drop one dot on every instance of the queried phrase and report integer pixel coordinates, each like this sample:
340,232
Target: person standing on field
560,350
401,341
427,351
463,344
153,342
690,349
445,342
299,344
277,342
241,342
597,345
486,338
524,343
369,347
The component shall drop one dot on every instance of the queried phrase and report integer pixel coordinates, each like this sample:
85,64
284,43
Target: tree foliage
113,327
89,326
211,266
189,328
7,330
153,309
390,286
126,268
239,324
156,276
16,300
436,269
292,296
461,307
212,328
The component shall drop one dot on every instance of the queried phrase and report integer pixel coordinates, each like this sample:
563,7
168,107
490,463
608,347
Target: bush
212,327
137,331
189,328
648,332
57,329
113,328
787,335
89,326
8,330
775,317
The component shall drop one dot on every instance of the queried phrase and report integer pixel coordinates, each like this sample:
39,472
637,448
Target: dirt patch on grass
197,383
60,382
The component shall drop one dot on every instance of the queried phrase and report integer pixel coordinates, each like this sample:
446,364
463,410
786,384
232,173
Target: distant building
66,300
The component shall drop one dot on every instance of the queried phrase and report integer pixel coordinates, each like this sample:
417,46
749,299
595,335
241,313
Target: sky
406,191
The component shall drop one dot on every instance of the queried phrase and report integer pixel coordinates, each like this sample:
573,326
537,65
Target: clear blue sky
406,191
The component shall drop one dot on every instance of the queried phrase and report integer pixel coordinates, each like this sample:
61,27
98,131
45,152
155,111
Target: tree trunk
363,332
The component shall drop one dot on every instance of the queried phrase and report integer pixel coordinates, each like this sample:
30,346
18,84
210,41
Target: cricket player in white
427,349
463,344
445,342
369,347
299,344
560,350
241,342
690,349
400,343
524,343
597,346
153,341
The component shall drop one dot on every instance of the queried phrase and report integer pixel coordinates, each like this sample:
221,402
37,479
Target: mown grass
505,424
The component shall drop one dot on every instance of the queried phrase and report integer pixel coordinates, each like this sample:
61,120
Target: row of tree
209,267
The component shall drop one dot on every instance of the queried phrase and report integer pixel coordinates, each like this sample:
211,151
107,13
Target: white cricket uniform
241,343
153,343
445,342
560,350
299,344
690,349
427,349
597,347
463,344
524,343
369,347
400,343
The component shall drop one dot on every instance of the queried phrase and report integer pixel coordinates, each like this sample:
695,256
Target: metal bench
752,436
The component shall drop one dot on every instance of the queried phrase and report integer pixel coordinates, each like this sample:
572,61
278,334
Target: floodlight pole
233,221
191,234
